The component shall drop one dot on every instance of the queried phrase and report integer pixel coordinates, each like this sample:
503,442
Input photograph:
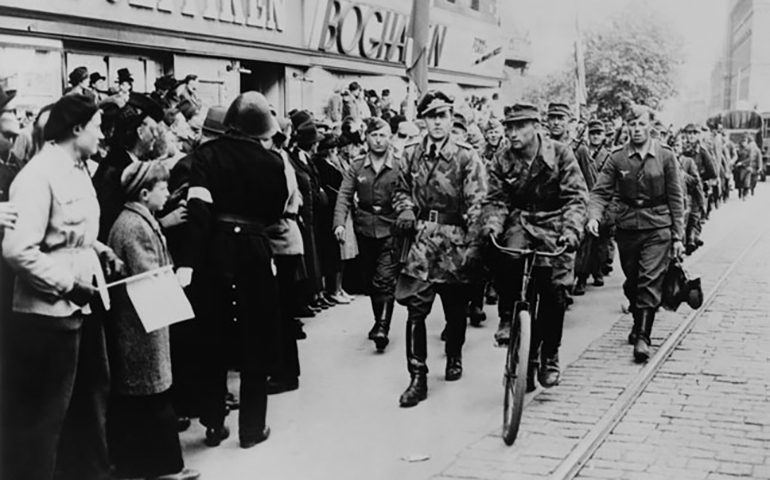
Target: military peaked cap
558,108
433,102
522,112
692,127
595,126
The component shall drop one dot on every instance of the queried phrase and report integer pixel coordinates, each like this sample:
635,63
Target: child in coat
141,423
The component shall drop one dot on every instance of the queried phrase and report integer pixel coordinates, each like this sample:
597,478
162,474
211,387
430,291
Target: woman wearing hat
79,81
55,366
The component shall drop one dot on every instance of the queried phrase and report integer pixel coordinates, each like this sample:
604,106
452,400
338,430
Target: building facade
740,78
296,52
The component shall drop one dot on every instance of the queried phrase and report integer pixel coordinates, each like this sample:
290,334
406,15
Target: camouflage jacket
452,184
491,151
537,204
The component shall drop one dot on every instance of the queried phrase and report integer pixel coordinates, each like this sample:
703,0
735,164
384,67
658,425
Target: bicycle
517,356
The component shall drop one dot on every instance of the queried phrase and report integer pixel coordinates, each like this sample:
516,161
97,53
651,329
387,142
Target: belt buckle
376,209
432,216
639,203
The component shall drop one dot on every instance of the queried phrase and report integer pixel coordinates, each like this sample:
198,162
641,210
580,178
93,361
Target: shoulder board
359,158
666,147
464,145
412,143
617,148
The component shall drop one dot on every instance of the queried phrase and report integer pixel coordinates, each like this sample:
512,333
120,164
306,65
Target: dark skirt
142,435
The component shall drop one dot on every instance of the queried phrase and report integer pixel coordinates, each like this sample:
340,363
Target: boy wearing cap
645,177
142,427
438,199
537,199
372,179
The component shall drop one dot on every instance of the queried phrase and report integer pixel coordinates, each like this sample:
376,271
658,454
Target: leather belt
538,207
376,209
644,202
240,224
434,216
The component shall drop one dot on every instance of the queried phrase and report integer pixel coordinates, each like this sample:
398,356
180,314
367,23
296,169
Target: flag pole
140,276
419,32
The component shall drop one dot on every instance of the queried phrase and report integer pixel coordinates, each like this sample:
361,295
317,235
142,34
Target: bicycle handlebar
516,251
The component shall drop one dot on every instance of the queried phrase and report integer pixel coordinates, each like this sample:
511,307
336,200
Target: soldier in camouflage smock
438,199
537,200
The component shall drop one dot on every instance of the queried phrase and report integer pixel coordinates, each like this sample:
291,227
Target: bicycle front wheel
516,363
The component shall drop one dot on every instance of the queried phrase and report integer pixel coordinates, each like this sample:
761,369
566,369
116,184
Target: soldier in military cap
372,178
438,198
644,175
494,133
593,252
537,199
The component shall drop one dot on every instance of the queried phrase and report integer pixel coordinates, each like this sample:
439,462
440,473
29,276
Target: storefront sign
269,14
373,32
276,22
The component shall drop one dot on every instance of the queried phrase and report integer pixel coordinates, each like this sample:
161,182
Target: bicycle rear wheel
516,362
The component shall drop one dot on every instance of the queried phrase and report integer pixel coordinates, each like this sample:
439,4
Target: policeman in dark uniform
237,189
372,179
438,199
644,174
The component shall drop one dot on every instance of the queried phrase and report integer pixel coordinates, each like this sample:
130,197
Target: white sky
551,28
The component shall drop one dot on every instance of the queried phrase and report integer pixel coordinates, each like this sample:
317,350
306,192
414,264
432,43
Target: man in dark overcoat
237,189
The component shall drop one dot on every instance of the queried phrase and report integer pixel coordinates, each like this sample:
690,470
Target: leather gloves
405,223
569,240
81,294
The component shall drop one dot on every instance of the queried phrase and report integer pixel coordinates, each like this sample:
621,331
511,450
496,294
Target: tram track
584,450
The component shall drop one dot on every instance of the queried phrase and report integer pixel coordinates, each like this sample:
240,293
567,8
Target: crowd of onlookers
128,156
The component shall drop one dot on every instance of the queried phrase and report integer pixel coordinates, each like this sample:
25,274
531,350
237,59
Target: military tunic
534,205
373,219
444,186
650,215
453,186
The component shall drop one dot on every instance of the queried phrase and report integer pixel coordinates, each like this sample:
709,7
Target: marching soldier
438,198
237,190
372,179
494,133
537,199
593,252
644,175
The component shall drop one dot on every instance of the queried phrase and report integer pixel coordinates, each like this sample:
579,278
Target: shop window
34,72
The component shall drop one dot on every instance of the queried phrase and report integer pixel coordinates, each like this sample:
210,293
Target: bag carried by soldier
679,287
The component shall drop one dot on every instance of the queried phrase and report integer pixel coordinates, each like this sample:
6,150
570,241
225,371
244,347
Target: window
476,5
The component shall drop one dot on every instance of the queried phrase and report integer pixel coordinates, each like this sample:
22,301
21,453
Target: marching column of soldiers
423,210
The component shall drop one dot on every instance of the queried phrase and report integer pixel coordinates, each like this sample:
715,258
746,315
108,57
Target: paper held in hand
157,298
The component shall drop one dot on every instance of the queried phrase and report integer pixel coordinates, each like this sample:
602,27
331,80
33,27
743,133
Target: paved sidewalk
556,420
706,414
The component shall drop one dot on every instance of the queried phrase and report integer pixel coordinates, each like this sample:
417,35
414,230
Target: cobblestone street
703,415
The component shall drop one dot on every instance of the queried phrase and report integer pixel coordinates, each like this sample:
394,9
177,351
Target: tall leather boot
382,326
456,328
552,320
378,306
416,354
634,335
642,346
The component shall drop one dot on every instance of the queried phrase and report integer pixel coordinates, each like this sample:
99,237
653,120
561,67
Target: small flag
158,298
